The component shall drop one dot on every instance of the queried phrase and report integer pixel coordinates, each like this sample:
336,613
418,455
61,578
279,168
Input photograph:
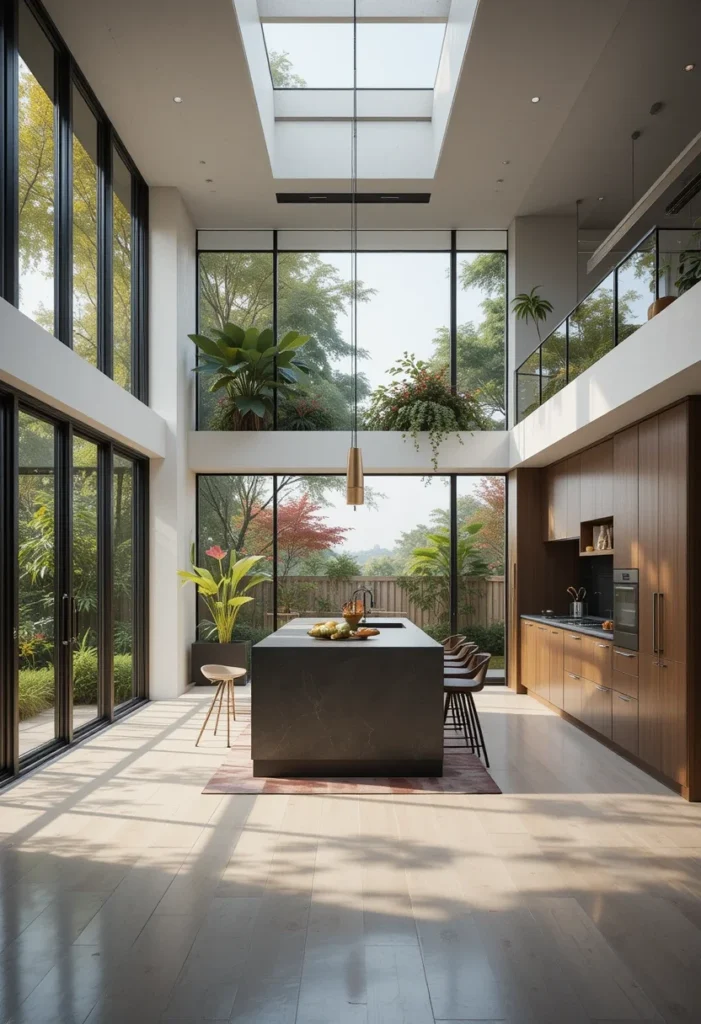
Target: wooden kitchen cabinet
596,483
672,530
542,662
650,712
672,695
528,654
556,502
573,652
624,722
556,654
574,514
572,694
648,513
600,661
625,499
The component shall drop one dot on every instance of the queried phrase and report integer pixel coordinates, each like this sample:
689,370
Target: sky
412,302
390,56
408,502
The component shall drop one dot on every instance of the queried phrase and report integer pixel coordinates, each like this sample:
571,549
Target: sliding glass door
72,582
38,598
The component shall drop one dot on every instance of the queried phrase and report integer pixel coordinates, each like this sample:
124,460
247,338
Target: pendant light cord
354,234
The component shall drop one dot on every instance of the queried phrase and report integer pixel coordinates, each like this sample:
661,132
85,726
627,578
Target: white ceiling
597,65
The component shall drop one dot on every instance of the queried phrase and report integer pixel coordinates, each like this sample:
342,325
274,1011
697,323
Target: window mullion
9,161
104,254
63,234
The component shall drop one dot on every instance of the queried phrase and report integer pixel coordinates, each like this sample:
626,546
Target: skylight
306,55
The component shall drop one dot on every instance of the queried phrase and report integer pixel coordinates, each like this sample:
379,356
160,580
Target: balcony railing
609,314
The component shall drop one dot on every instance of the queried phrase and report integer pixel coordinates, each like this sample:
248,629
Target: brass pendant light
355,487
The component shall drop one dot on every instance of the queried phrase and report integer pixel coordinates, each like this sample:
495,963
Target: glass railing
614,310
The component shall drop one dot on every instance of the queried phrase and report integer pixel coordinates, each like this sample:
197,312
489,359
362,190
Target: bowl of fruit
333,630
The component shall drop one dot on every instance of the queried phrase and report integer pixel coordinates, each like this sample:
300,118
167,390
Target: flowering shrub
422,400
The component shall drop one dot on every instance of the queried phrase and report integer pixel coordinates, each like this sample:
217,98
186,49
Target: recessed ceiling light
535,99
506,163
689,67
177,99
209,180
601,198
500,181
203,161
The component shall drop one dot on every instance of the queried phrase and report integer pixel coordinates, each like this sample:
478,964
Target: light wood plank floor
129,897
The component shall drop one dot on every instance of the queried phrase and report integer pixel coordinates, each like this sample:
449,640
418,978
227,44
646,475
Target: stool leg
479,728
222,685
233,697
211,709
466,729
228,713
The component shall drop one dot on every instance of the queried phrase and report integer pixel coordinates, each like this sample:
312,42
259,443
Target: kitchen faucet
364,591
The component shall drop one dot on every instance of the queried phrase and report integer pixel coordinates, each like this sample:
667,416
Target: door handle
573,676
655,649
626,699
622,654
66,620
604,689
660,623
605,646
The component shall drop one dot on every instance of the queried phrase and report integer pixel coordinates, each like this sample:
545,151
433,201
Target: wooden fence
481,600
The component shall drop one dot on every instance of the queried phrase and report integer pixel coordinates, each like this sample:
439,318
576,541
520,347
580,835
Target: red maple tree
301,529
491,492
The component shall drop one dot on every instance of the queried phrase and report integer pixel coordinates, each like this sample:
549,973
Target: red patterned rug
462,773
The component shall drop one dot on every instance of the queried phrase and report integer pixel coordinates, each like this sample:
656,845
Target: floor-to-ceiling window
430,549
73,512
442,307
73,207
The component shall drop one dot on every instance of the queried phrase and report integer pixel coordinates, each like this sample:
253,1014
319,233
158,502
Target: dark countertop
294,634
603,634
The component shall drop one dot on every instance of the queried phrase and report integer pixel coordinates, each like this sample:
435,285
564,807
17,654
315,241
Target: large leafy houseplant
250,367
689,269
421,399
221,593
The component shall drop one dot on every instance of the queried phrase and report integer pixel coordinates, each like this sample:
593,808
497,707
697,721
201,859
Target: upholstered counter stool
223,676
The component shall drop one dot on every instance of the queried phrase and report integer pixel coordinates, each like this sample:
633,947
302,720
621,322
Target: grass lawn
497,661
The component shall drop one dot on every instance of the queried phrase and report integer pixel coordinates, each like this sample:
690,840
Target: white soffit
235,241
339,241
368,10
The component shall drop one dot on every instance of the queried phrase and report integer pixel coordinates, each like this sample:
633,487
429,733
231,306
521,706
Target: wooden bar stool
223,676
458,688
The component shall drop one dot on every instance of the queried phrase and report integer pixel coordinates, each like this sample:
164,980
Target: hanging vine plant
422,400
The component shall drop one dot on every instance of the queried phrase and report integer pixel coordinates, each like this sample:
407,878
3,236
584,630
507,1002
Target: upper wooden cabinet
625,499
596,483
574,512
562,516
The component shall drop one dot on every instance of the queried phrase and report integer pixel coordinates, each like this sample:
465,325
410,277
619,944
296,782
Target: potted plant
422,400
220,593
532,306
250,367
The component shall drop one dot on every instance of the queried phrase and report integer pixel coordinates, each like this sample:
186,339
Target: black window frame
12,402
452,479
68,74
454,252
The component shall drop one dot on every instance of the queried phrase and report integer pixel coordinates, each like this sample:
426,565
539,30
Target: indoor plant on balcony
249,367
422,400
220,594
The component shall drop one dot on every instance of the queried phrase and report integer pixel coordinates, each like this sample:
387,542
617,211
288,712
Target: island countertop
350,708
404,634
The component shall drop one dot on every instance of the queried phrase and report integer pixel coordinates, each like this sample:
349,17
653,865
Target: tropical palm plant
250,367
532,306
221,595
434,559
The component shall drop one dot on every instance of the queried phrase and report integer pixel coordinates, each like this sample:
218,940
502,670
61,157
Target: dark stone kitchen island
330,708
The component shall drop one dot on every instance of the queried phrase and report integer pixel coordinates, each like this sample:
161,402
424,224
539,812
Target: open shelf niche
588,534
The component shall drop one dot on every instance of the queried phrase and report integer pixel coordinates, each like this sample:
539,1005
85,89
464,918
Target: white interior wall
33,361
542,252
173,269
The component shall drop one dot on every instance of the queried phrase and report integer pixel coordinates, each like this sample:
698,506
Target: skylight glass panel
320,56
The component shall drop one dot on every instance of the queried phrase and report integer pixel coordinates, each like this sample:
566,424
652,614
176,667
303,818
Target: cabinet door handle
605,646
604,689
622,654
662,664
660,623
573,676
554,632
655,649
626,699
575,637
